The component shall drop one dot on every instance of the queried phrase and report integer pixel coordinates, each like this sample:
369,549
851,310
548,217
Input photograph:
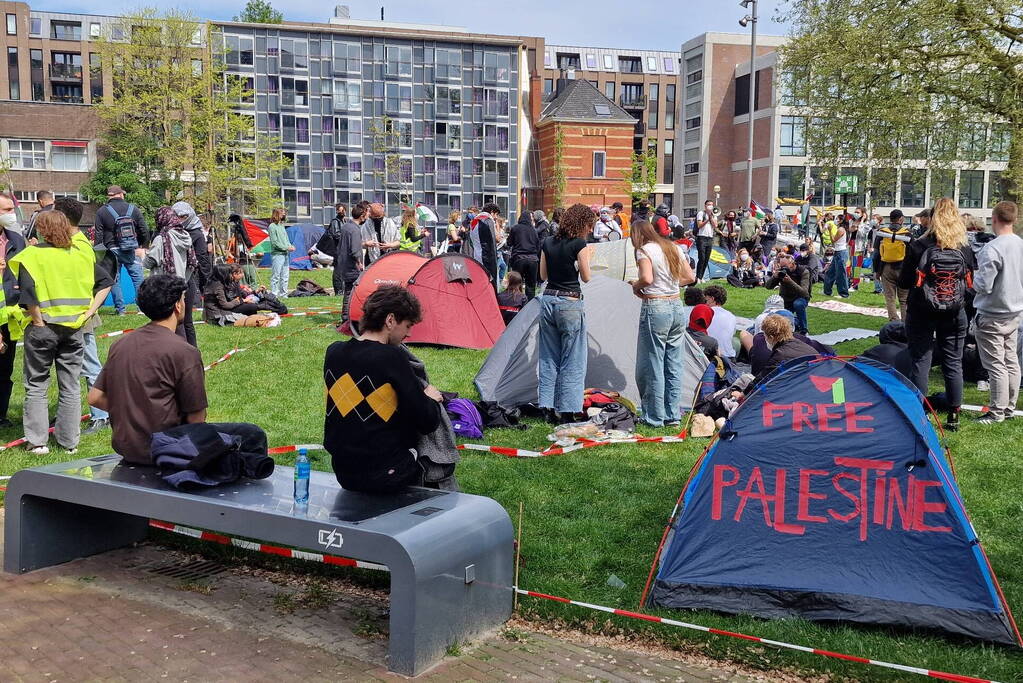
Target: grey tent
509,375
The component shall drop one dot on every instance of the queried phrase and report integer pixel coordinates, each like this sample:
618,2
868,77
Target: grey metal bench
450,555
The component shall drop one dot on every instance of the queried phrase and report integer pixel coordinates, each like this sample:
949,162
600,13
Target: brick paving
110,618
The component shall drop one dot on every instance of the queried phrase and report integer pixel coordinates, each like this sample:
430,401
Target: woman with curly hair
945,248
564,262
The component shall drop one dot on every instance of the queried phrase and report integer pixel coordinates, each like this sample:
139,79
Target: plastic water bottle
302,477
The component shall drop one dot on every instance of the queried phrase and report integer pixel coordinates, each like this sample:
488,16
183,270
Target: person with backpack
937,270
999,304
126,235
889,252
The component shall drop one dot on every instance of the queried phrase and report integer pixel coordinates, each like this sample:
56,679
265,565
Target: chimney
342,12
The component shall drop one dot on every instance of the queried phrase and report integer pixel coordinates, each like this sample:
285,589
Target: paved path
111,618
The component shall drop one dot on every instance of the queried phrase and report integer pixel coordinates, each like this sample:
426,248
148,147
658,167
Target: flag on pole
758,211
425,214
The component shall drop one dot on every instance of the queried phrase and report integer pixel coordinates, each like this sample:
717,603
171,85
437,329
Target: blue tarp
304,236
720,264
828,496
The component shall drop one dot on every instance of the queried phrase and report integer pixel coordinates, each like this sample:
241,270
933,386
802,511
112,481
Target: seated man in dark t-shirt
153,379
376,405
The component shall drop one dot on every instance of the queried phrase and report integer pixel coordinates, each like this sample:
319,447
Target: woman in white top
606,228
663,270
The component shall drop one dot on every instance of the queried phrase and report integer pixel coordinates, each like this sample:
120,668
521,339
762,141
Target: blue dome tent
858,519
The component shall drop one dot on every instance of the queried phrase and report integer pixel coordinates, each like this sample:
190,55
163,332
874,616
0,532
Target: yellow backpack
893,250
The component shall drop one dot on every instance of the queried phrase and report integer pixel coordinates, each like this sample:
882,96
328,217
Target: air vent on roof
602,110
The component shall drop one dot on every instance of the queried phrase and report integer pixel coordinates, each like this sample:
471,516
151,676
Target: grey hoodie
195,230
181,241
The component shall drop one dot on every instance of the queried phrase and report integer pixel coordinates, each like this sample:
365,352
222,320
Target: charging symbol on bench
330,538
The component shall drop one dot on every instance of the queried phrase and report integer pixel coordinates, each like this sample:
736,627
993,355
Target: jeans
563,347
186,330
502,269
126,258
836,275
529,269
996,343
798,308
46,347
90,371
659,360
279,275
703,247
922,326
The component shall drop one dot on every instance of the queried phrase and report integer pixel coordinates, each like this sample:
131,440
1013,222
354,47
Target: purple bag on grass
465,418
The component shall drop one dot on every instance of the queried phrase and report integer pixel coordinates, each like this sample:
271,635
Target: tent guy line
349,562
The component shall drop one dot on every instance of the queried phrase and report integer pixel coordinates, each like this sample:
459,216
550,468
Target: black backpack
943,275
124,227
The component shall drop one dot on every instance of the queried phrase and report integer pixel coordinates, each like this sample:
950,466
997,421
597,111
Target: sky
649,24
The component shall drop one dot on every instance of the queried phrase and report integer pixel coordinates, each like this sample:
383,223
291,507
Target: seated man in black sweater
376,405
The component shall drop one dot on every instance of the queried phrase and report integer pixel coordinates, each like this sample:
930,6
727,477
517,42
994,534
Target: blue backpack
465,418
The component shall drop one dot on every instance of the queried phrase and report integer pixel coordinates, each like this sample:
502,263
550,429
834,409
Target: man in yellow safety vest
61,288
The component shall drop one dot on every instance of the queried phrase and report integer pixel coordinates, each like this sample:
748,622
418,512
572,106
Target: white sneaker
983,386
39,450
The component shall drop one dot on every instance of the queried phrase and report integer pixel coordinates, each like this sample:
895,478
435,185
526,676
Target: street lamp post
751,21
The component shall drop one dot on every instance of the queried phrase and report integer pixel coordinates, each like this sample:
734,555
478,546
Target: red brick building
595,155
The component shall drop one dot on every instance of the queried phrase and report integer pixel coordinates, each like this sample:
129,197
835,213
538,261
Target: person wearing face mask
11,242
706,225
728,233
606,229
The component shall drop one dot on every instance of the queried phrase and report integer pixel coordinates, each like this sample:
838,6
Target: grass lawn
599,512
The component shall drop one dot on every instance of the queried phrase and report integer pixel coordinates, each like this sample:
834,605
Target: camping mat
843,335
842,307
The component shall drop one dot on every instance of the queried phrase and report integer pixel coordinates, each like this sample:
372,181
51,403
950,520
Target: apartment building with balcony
714,142
644,83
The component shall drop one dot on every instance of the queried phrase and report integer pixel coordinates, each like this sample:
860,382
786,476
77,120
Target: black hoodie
524,239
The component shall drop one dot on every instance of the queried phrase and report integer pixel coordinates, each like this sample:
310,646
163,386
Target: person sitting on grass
784,346
224,301
512,299
722,327
700,319
759,353
377,407
153,379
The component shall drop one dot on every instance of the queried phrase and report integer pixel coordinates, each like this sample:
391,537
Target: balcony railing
632,101
65,72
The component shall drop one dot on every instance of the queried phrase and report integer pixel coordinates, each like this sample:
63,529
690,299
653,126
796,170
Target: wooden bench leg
40,532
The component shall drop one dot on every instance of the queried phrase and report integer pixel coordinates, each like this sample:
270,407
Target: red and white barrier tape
984,409
348,562
117,333
22,441
295,449
562,450
222,359
265,548
278,337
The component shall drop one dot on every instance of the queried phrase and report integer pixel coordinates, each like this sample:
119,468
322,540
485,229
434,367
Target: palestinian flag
758,211
425,214
258,230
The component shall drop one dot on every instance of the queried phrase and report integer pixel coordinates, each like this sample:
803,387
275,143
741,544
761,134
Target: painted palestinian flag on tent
758,211
258,230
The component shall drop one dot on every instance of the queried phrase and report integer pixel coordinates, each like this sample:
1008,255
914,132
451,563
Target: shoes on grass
983,385
991,417
95,426
38,450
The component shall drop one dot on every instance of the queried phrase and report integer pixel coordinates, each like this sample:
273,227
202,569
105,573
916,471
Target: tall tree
259,12
641,178
884,83
179,120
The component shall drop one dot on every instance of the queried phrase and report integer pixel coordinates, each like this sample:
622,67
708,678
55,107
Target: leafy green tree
179,122
641,179
883,82
260,12
112,171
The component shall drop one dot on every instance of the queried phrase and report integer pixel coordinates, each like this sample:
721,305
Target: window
609,62
27,155
448,63
652,105
294,92
742,95
632,95
971,189
599,164
69,156
95,77
669,107
695,77
12,24
548,86
398,62
791,181
630,65
239,50
793,136
495,138
669,162
398,98
449,171
449,100
294,54
911,190
591,61
449,136
497,67
943,184
567,60
973,142
495,102
347,96
651,64
66,30
689,169
347,132
609,90
793,84
349,168
495,173
94,30
347,58
547,61
693,123
669,64
302,167
36,63
12,73
35,25
994,188
1000,138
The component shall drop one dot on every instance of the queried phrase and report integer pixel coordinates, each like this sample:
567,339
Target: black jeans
925,329
187,328
347,287
6,368
703,247
529,269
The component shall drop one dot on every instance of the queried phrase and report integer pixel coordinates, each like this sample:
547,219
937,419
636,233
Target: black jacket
524,239
783,352
488,245
106,225
15,243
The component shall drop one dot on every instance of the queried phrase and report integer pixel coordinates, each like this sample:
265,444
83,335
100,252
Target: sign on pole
846,184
